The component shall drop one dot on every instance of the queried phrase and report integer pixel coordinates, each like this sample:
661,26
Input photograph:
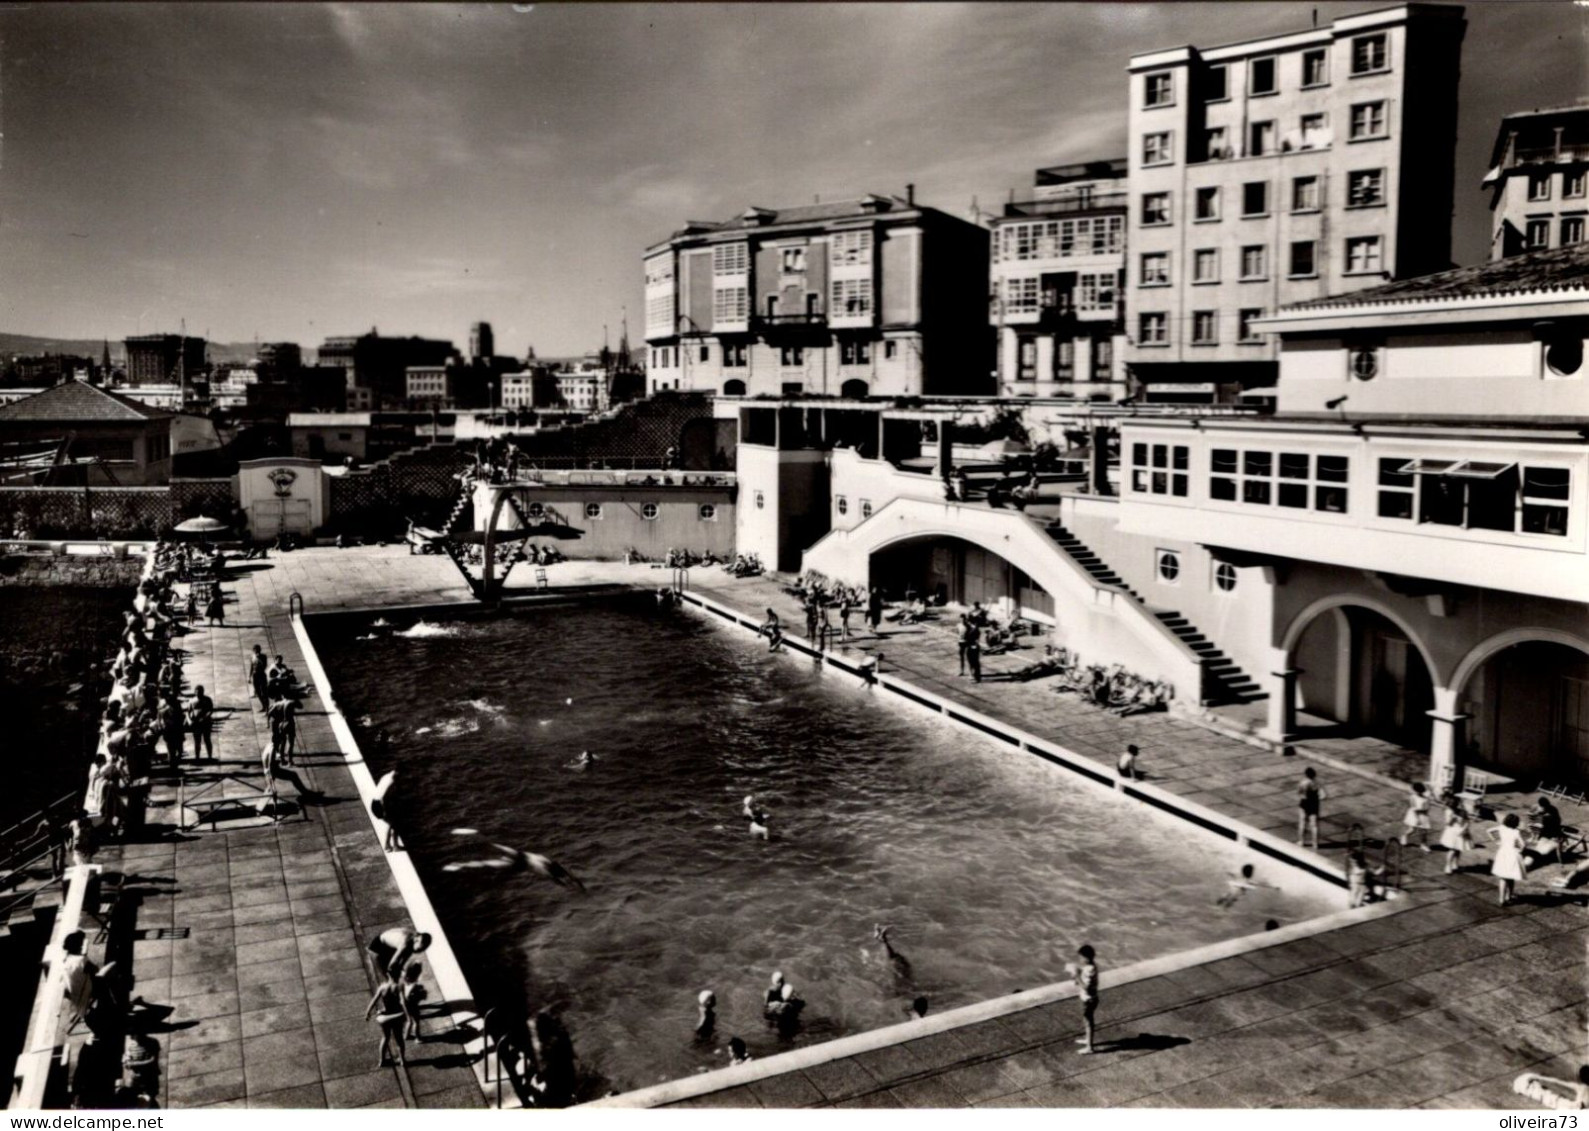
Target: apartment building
1058,259
1278,171
868,297
1537,180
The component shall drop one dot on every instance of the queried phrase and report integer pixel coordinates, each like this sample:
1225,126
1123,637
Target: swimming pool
991,865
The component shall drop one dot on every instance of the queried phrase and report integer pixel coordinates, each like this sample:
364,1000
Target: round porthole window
1564,355
708,512
866,508
844,505
592,510
1225,577
1169,565
1365,363
761,501
537,510
648,510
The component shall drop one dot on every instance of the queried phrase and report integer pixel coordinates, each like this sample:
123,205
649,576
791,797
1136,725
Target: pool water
991,865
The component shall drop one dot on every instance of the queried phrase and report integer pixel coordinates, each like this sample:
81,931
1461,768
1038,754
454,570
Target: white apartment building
1279,171
1539,180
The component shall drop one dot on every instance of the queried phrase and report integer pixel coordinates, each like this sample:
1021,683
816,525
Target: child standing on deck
1416,819
1458,835
1085,973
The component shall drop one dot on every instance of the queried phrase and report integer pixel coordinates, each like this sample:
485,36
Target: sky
293,171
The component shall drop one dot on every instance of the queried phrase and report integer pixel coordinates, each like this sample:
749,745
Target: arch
1299,624
733,387
855,389
1476,657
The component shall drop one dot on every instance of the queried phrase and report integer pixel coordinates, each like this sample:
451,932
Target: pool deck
1437,1002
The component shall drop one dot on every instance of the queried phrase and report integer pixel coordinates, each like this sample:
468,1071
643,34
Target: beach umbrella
203,526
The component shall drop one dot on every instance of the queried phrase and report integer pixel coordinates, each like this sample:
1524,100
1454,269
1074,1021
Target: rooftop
1558,269
754,217
79,401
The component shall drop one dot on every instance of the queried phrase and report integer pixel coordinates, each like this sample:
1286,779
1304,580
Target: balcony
1564,154
766,323
1066,205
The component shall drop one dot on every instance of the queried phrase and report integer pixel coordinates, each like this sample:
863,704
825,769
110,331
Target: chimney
910,195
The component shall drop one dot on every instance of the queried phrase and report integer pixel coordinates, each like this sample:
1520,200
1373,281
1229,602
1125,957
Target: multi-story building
1058,262
377,367
482,343
429,386
279,361
877,296
1279,171
1537,180
163,359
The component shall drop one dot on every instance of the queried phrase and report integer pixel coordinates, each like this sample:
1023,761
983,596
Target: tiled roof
1559,269
78,400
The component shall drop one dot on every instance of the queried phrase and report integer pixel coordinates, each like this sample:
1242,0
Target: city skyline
294,173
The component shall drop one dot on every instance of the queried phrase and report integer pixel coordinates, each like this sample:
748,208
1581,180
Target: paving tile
982,1081
302,1096
286,1069
208,1031
338,1007
212,981
263,996
839,1079
201,1006
460,1096
276,1019
362,1090
926,1092
266,951
213,1087
791,1089
199,1060
262,973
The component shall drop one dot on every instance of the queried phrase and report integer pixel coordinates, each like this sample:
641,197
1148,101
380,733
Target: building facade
1057,267
1279,171
877,296
163,359
377,367
1539,171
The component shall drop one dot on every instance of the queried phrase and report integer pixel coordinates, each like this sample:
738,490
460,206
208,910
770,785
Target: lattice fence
73,512
193,497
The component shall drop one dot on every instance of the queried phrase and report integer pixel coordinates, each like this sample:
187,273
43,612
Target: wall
111,512
622,526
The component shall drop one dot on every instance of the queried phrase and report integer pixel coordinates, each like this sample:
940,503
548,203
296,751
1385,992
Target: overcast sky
294,171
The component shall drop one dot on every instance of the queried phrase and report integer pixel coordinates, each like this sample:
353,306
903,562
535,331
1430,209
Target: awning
1462,469
1264,391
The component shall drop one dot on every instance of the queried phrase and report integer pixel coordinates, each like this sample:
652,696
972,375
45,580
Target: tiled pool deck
1438,1004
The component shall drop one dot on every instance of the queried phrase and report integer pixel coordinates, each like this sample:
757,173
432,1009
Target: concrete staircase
1225,681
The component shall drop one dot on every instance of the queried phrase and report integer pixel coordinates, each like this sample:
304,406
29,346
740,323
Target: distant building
1278,171
279,361
1537,180
110,438
377,367
1058,265
877,296
429,386
48,369
531,389
482,342
164,359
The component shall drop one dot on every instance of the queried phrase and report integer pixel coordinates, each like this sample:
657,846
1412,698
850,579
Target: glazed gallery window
852,296
1060,239
1297,480
1476,494
851,247
1022,296
730,259
1160,469
730,304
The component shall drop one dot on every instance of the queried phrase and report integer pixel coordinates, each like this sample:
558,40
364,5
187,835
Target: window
1216,84
1302,259
1262,77
1160,469
1365,188
592,510
1315,67
1368,54
1564,352
890,350
761,500
1572,183
793,260
708,512
1022,296
1169,565
1260,138
1205,329
1368,120
1363,362
1225,577
1244,325
1305,194
536,510
1055,239
1395,489
1536,233
1296,480
1255,198
1156,148
1103,352
1206,204
851,247
1539,186
792,356
1205,265
1151,328
706,353
1216,143
1155,208
734,356
852,296
730,304
842,504
1362,255
1156,269
1545,494
730,259
1314,133
866,508
1254,261
648,511
1095,291
855,353
1571,230
1159,89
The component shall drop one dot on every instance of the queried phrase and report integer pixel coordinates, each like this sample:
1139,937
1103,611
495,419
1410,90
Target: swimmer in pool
737,1053
773,998
706,1019
1239,883
585,760
900,963
758,818
517,860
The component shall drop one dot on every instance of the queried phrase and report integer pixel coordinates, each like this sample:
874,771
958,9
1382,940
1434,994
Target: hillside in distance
28,345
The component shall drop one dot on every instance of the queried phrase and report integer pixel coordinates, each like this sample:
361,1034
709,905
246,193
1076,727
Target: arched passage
733,387
942,568
1361,668
1527,698
854,388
